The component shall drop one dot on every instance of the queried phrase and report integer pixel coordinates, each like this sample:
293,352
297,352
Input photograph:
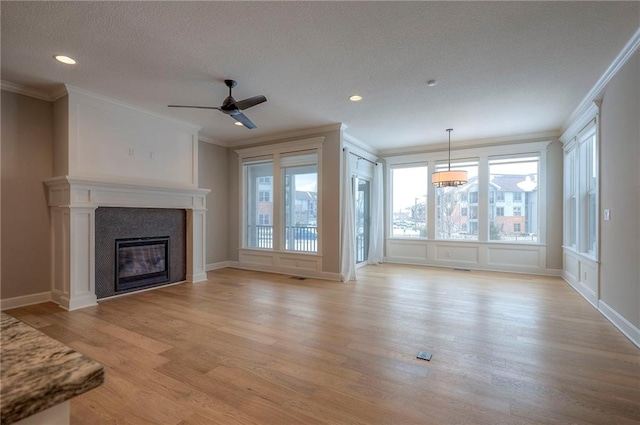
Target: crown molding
27,91
287,135
596,91
212,141
495,141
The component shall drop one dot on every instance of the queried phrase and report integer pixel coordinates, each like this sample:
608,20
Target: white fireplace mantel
73,201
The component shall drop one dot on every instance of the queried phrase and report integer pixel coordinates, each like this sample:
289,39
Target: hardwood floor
253,348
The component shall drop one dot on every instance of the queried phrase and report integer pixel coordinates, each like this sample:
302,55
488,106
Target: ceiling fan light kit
232,107
449,178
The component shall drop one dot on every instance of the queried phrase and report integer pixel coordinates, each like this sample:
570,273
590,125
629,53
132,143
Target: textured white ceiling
503,68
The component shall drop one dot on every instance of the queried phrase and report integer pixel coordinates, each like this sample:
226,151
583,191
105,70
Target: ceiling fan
232,107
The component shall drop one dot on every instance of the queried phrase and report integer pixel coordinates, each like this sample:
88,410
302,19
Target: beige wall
330,200
620,192
27,159
553,206
213,174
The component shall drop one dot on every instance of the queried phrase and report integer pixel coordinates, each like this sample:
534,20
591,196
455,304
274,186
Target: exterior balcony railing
296,238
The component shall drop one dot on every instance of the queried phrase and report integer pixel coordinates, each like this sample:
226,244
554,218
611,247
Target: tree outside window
458,205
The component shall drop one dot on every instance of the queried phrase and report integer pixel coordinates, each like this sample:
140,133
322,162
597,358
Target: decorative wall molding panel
493,256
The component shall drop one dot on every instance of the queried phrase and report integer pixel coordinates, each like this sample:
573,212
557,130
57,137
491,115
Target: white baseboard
583,290
25,300
217,266
626,327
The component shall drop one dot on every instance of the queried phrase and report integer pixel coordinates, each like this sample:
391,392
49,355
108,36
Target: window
463,211
263,219
280,199
492,196
516,176
409,201
258,232
450,221
300,174
474,212
592,191
264,196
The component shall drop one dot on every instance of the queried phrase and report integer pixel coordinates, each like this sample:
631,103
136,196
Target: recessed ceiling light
355,98
238,123
432,83
65,59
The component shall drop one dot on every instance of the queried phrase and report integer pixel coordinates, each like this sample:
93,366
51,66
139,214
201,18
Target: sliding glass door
363,216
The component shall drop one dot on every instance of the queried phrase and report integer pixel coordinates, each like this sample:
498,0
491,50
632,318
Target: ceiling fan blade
248,103
244,120
197,107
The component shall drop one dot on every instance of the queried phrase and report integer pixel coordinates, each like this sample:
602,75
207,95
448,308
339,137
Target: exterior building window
265,180
492,197
263,219
264,196
517,176
409,201
452,200
463,211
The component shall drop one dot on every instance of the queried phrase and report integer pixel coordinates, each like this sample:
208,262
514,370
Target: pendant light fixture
449,178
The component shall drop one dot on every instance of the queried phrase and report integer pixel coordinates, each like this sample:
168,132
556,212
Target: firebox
141,262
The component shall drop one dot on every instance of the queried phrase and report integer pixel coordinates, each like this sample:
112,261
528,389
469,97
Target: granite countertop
38,372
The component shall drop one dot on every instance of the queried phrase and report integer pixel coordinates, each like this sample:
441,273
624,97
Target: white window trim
482,154
272,152
573,139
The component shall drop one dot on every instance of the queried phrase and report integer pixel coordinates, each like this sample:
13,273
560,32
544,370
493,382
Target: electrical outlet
607,214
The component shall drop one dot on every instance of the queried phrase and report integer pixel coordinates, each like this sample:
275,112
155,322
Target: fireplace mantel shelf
73,201
96,192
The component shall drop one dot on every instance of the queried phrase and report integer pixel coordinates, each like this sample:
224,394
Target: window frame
533,148
276,152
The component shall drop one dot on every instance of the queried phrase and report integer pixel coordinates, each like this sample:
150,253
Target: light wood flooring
254,348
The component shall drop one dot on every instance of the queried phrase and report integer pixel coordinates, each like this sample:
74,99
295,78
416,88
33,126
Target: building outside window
515,179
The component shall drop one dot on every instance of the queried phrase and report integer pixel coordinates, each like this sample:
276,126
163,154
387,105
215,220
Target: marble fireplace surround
73,201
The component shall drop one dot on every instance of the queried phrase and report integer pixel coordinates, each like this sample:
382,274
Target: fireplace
141,262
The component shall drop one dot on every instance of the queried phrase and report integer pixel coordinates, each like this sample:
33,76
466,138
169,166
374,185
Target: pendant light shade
449,178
